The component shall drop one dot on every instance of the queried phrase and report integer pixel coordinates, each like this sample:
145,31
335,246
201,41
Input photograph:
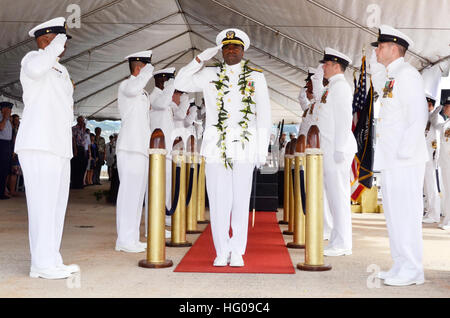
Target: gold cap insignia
230,34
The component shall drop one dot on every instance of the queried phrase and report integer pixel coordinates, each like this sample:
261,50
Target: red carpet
266,251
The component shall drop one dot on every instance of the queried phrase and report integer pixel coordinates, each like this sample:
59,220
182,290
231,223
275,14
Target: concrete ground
89,237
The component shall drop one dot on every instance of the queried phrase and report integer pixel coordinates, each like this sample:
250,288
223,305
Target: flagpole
254,196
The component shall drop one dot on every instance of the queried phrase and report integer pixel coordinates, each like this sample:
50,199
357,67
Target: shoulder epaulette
255,69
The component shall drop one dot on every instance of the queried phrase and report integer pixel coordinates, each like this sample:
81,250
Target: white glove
339,156
302,94
169,84
303,100
184,99
60,40
436,110
374,66
317,81
209,53
318,75
147,69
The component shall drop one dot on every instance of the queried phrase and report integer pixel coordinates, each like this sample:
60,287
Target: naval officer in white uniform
444,159
180,106
307,102
334,119
44,146
161,116
236,137
400,153
433,200
190,121
132,151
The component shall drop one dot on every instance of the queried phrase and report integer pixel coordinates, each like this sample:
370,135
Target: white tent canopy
287,36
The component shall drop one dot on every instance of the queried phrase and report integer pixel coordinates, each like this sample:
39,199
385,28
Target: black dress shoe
4,197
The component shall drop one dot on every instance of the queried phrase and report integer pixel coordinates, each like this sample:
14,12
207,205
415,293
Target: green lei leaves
247,89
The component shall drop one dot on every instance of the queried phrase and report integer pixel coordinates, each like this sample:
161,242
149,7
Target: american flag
359,99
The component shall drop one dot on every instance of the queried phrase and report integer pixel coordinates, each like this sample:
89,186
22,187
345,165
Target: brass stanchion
290,230
201,193
299,216
178,234
156,250
314,205
191,209
286,186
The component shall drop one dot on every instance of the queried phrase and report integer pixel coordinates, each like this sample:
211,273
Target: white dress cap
233,36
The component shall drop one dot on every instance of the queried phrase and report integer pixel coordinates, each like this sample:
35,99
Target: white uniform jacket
196,78
432,139
189,123
134,105
161,115
403,116
334,118
308,119
444,151
47,117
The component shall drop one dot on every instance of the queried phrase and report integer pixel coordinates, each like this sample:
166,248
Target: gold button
229,100
231,85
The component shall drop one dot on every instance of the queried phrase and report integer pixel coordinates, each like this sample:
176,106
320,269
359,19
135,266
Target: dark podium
266,191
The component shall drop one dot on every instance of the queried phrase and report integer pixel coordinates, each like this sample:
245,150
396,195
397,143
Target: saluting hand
318,75
208,53
60,40
147,69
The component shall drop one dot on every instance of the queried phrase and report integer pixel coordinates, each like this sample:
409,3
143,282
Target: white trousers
47,181
431,192
229,193
445,191
133,175
403,209
336,179
327,218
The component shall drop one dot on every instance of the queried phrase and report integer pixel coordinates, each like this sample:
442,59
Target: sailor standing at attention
44,146
430,187
132,151
307,101
236,137
161,116
400,153
444,158
334,119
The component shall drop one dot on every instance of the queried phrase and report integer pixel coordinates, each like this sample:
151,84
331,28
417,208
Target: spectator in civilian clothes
5,146
93,155
78,162
87,144
15,168
110,153
101,148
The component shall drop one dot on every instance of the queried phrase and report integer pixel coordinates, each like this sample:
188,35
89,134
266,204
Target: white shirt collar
335,77
234,68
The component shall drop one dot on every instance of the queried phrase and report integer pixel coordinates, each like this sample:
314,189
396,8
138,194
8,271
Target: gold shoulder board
255,69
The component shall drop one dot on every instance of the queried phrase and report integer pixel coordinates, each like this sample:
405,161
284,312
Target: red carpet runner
266,251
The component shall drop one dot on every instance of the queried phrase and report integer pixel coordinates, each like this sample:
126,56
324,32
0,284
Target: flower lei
247,89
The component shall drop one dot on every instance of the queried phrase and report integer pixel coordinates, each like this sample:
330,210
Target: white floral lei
247,89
